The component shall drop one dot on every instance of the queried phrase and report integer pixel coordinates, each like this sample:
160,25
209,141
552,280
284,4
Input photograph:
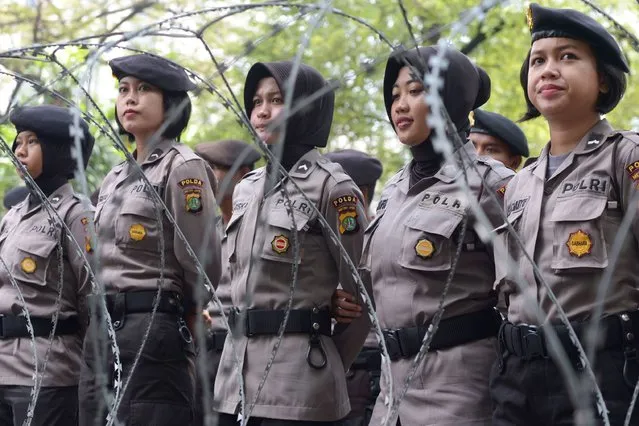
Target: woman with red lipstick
146,267
411,245
567,208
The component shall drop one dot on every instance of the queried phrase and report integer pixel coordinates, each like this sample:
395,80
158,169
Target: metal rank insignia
137,232
529,18
28,265
425,248
579,243
280,244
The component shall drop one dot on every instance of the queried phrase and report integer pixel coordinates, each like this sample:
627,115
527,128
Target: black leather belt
215,340
133,302
16,326
369,359
454,331
529,341
260,322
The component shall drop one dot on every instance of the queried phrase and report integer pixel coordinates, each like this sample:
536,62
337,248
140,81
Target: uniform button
315,326
116,324
315,310
630,337
625,317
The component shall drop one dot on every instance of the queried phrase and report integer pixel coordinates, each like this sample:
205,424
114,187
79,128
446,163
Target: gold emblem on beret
529,17
137,232
425,248
471,118
28,265
579,243
280,244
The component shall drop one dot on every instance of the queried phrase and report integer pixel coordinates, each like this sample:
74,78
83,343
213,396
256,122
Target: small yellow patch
471,118
529,17
28,265
425,248
280,244
579,243
137,232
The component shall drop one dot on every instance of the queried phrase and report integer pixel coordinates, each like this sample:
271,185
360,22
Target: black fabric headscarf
465,88
309,127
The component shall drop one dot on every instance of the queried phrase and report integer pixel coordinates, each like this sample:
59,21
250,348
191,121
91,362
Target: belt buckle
391,337
532,342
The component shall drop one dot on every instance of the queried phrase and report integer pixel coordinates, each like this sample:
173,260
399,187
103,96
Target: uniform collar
160,149
56,198
590,142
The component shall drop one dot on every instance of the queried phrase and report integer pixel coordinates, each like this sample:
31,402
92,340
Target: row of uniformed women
422,228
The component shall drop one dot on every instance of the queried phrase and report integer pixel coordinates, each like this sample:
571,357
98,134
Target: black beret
52,124
361,167
545,22
154,70
226,152
14,196
502,128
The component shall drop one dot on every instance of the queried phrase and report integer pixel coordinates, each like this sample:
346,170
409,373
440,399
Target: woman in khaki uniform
143,256
273,232
30,281
411,244
567,208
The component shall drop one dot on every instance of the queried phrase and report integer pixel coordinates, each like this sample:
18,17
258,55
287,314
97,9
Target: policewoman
411,243
362,379
567,207
230,160
140,255
498,137
274,231
50,272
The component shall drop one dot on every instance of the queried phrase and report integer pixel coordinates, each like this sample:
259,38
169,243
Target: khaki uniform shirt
28,241
262,254
568,223
408,251
133,241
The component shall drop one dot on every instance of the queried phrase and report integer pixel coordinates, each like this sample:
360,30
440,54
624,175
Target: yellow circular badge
28,265
280,244
137,232
579,243
424,248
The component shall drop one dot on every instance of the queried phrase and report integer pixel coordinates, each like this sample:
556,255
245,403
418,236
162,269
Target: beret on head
52,124
497,125
308,126
466,86
546,22
226,152
154,70
361,167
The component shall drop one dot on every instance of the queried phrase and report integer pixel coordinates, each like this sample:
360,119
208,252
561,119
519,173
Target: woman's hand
344,308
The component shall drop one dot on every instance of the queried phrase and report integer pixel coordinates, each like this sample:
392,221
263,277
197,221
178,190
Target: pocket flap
435,221
578,209
142,207
281,219
35,244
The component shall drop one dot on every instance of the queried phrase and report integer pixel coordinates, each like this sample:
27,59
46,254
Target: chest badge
280,244
28,265
579,243
137,232
425,248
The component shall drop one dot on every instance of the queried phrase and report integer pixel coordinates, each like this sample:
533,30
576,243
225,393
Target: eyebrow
412,80
270,93
557,48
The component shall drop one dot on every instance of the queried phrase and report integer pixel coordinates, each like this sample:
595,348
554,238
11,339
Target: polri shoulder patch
346,206
633,171
193,200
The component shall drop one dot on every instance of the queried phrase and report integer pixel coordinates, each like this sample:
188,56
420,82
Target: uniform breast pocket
280,236
505,246
137,225
427,244
229,239
34,258
578,240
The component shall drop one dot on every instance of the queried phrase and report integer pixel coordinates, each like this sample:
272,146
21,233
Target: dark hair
170,102
613,77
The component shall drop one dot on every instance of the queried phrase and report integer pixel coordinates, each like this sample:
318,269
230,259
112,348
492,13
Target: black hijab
309,127
465,88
